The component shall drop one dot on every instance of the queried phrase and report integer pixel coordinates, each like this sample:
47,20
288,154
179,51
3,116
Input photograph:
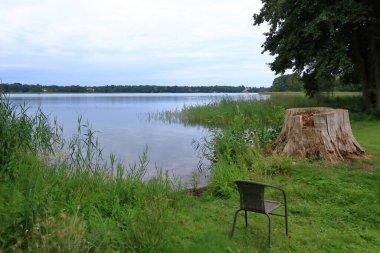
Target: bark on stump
318,132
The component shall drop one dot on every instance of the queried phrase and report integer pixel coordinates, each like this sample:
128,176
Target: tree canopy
324,41
287,83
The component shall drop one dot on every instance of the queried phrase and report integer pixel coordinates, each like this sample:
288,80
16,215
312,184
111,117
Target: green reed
59,192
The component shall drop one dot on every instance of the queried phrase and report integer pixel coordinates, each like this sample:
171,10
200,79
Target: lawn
333,208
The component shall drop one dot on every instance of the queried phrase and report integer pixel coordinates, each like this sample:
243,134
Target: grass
60,196
366,132
327,201
302,94
333,208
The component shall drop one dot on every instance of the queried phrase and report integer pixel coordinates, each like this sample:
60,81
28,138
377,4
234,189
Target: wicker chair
252,199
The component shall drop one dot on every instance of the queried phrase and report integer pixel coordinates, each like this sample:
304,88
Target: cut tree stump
318,132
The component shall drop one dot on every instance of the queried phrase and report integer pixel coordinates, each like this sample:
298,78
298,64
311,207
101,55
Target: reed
61,193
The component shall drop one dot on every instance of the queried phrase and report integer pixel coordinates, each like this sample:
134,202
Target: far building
247,90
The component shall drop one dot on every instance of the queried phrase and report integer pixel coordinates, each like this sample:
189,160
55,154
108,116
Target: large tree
326,40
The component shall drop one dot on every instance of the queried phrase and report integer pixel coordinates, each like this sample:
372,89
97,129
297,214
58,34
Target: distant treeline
36,88
294,82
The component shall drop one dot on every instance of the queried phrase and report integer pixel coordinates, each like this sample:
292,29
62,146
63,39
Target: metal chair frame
252,199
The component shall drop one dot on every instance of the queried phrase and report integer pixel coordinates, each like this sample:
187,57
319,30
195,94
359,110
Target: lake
124,128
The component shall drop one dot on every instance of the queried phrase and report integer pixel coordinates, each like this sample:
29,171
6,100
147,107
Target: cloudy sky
163,42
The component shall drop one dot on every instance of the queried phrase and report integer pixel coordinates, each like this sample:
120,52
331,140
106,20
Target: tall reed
59,195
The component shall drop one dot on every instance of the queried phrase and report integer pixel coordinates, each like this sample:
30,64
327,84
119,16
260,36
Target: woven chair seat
271,205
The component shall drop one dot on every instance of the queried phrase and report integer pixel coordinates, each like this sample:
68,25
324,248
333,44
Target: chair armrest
284,194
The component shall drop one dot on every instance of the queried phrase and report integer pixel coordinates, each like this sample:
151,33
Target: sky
132,42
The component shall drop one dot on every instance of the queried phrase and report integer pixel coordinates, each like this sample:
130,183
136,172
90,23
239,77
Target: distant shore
36,88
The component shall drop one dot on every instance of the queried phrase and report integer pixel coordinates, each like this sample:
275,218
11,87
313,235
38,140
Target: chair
252,199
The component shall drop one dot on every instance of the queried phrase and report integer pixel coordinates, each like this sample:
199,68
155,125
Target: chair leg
233,224
286,225
269,230
246,218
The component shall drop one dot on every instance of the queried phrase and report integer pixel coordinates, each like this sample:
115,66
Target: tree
325,40
287,83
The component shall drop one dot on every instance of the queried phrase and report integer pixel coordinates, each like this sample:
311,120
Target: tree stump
319,132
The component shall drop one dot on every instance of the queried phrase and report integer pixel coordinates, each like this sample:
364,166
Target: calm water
123,126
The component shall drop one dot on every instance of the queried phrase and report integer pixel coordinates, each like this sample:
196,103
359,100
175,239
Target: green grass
59,196
284,93
302,94
367,133
333,208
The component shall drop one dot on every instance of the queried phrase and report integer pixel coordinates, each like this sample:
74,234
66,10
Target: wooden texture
318,132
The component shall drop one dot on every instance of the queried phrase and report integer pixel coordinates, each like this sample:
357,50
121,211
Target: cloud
154,37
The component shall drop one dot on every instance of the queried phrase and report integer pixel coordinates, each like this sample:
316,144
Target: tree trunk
375,60
378,97
318,132
377,77
366,61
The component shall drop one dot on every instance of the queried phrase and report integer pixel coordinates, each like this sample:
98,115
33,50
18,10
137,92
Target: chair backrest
251,195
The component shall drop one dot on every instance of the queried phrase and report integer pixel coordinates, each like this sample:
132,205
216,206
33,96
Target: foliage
257,121
228,152
326,41
240,131
21,133
287,83
345,100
